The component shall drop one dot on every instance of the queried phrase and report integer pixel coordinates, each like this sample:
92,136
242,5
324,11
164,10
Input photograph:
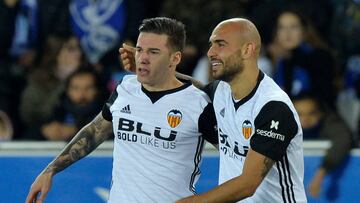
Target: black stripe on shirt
291,182
197,159
280,181
286,179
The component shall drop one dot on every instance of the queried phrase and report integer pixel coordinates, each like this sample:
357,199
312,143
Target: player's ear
248,50
175,58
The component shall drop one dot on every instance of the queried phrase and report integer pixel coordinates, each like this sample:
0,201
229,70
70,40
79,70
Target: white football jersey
158,141
266,122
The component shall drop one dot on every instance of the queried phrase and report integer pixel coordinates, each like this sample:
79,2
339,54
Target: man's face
82,89
225,53
152,58
308,111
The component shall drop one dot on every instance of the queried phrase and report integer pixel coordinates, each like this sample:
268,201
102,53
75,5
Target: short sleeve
207,124
106,107
275,127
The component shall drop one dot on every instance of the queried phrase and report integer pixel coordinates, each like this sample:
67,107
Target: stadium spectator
348,101
346,28
321,123
81,102
62,57
158,122
16,54
302,60
264,13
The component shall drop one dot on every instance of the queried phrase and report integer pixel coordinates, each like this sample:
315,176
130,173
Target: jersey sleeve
207,124
210,89
275,127
106,107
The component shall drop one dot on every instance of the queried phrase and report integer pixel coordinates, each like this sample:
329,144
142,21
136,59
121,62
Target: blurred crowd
59,58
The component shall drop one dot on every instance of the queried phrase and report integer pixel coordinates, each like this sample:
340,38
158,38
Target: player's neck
242,84
168,84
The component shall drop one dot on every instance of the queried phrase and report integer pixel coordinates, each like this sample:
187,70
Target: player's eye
154,52
220,44
138,49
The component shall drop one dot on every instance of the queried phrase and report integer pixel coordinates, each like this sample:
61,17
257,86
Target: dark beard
231,71
233,65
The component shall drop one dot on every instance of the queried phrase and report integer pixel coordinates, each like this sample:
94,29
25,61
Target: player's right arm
84,142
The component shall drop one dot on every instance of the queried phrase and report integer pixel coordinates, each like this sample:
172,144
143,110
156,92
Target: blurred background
59,62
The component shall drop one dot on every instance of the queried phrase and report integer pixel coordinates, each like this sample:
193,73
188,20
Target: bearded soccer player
159,123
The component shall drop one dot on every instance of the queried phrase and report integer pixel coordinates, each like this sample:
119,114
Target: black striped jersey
158,141
266,122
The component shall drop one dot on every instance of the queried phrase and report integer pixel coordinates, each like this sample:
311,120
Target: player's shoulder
128,82
129,79
269,93
198,93
268,90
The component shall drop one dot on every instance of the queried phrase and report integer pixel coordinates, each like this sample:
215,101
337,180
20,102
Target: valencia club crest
174,118
246,129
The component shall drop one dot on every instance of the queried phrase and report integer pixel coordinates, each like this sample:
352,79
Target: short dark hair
85,69
174,29
310,95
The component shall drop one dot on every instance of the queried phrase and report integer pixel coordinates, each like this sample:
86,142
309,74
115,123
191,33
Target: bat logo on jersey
274,124
174,118
246,129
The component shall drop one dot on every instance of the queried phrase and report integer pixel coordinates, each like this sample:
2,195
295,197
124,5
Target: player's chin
216,74
142,79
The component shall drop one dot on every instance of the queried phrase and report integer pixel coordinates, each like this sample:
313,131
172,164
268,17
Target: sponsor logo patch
270,134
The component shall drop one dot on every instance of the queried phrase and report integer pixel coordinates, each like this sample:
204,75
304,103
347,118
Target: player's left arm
275,117
256,167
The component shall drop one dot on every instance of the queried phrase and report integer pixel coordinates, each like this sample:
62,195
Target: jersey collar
154,96
251,94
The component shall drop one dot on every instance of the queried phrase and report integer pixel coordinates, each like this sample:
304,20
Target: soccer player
260,137
159,123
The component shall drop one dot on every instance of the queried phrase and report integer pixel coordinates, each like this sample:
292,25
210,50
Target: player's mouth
215,64
142,71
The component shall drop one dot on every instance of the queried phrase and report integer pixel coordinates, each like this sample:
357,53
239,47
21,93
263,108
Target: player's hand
41,185
127,56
